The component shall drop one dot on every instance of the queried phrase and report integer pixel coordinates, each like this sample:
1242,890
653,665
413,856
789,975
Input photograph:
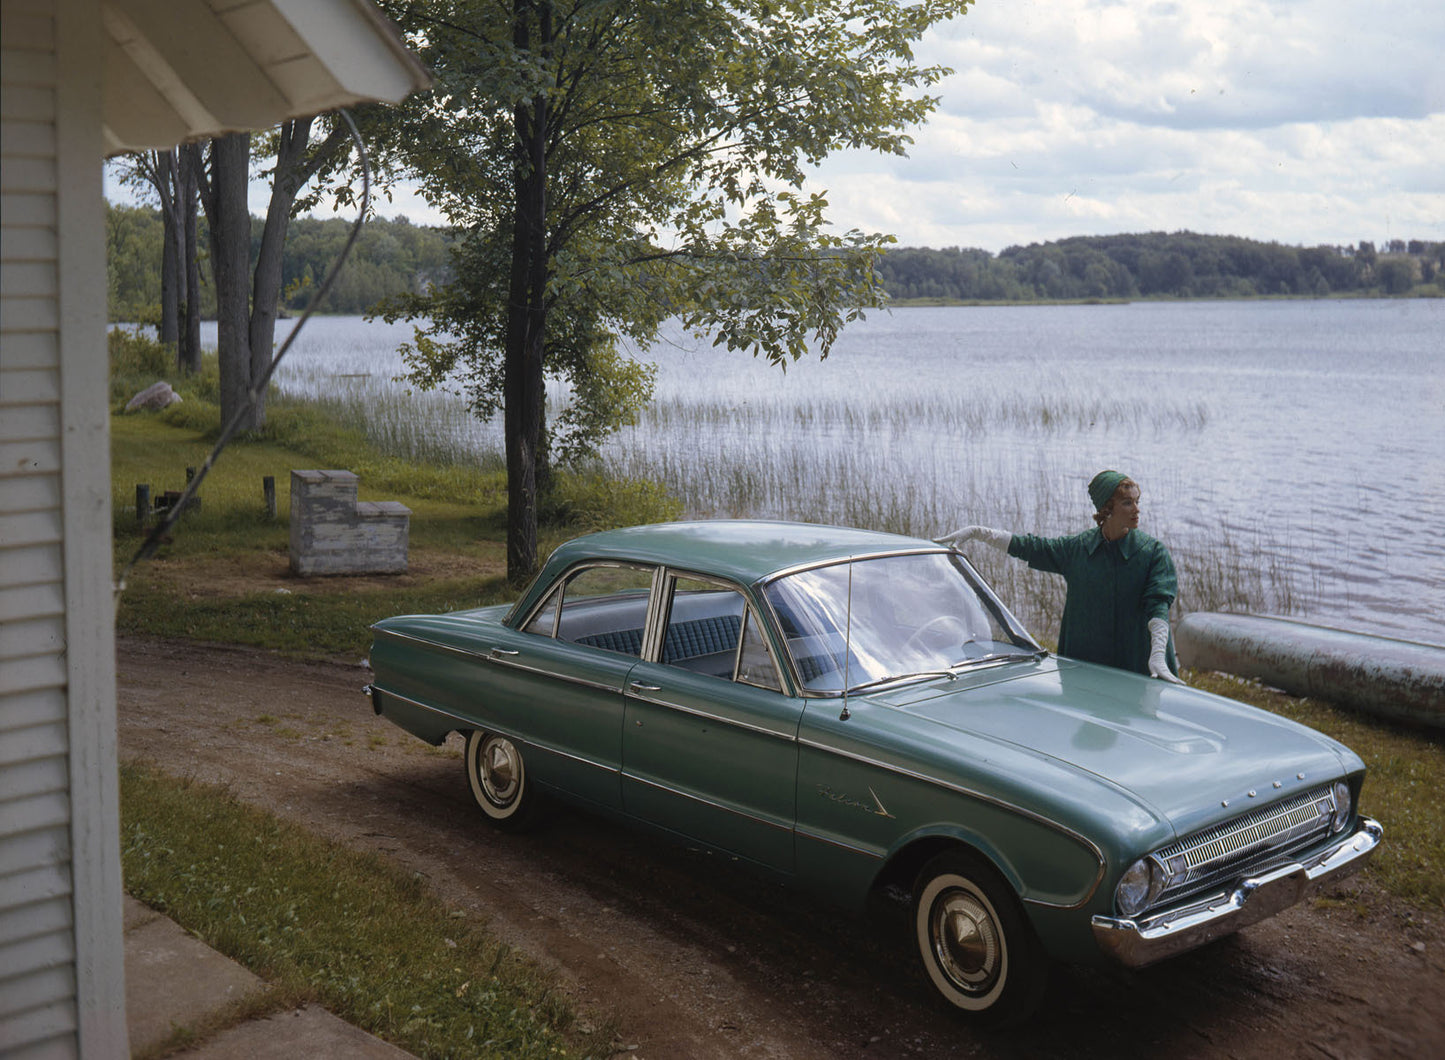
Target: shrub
136,361
592,500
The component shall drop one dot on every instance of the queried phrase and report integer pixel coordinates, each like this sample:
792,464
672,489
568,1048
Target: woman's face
1124,516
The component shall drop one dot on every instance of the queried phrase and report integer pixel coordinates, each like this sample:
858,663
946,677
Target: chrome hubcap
499,771
966,941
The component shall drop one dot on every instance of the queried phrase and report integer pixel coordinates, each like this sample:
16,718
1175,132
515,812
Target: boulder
156,396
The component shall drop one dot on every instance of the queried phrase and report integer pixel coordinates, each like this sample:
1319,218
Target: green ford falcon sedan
855,710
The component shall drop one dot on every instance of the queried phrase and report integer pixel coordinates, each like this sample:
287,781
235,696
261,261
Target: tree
613,163
1397,274
133,239
247,303
168,174
222,178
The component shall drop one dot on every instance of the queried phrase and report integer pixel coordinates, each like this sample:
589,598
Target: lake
1291,453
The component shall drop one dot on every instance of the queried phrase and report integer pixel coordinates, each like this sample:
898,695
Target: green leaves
614,162
675,129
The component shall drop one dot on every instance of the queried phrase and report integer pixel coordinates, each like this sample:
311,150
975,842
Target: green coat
1115,588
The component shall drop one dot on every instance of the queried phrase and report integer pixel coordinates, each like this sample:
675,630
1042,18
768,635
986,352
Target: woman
1121,581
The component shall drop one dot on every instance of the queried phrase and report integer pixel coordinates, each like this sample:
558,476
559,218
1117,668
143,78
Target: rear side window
601,607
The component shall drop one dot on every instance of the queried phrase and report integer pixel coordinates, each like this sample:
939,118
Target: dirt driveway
699,958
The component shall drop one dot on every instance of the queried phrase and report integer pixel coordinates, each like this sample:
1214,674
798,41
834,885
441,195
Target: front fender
1045,864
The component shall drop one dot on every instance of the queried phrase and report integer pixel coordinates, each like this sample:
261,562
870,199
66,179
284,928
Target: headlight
1139,886
1344,807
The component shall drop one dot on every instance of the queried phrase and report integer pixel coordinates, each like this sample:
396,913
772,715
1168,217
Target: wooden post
268,487
142,502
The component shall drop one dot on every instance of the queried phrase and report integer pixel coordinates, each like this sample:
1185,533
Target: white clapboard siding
83,79
38,1008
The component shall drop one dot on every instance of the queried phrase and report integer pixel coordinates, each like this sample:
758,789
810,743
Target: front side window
865,622
602,606
704,624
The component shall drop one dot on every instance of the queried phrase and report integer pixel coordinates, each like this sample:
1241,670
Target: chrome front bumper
1144,940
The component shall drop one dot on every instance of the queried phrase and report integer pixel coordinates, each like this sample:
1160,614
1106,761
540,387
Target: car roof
743,550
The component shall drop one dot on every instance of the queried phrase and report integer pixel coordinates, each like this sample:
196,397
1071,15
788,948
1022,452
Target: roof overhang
178,71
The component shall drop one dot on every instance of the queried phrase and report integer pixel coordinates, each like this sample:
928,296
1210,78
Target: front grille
1247,843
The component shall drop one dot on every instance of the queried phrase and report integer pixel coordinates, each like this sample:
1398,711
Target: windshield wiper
901,677
952,672
1002,656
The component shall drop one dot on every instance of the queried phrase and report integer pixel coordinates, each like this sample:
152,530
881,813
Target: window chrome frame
559,588
750,612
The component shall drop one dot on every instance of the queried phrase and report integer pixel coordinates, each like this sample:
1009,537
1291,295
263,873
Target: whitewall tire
977,946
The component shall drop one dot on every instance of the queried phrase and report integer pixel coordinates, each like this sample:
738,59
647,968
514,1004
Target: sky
1294,121
1281,120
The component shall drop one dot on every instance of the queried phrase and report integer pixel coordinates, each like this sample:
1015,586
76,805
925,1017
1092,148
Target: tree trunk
189,347
159,169
266,289
296,163
526,317
171,275
230,220
522,380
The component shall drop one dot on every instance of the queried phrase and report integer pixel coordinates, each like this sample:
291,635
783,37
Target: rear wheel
977,946
497,775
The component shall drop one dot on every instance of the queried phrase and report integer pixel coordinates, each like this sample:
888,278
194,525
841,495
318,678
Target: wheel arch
903,864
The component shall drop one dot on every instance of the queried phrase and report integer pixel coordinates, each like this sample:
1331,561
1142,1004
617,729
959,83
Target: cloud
1274,119
1298,121
1228,63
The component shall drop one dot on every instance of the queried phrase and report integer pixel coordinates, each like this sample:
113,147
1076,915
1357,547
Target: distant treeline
393,257
390,257
1160,265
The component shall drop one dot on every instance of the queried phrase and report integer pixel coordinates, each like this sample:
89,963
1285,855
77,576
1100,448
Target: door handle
504,651
638,686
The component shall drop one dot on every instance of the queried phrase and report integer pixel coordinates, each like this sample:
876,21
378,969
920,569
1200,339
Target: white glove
1158,642
998,539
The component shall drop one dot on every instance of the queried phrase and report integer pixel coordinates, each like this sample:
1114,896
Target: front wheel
977,946
498,779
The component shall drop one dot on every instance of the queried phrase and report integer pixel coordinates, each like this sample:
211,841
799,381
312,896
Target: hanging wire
155,538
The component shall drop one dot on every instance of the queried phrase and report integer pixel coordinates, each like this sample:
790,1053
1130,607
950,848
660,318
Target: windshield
910,615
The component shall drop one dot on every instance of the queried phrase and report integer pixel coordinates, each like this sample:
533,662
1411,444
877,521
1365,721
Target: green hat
1102,487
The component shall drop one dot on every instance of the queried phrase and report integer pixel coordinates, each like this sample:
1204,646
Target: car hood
1185,754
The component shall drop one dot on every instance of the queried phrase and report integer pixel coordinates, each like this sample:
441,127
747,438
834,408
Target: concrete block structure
334,533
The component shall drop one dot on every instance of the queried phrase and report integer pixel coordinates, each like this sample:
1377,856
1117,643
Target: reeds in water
918,464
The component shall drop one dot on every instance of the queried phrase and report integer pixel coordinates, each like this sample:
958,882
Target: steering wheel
935,629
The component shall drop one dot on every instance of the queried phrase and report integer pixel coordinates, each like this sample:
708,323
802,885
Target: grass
223,575
346,929
357,934
939,413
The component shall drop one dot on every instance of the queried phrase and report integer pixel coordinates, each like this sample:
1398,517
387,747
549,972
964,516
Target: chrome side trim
818,837
466,653
581,682
700,801
1083,840
377,692
705,715
581,760
477,723
491,656
1136,943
